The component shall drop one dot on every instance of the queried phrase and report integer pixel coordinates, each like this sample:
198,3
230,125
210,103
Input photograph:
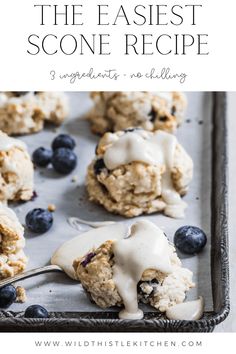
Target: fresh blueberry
63,140
88,259
42,157
152,114
39,220
98,166
190,239
7,296
36,311
64,160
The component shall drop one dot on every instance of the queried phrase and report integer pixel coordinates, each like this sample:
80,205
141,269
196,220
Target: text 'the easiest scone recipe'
12,242
138,172
16,170
26,112
114,111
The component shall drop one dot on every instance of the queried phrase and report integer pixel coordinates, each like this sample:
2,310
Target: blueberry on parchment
39,220
64,160
42,156
63,140
190,239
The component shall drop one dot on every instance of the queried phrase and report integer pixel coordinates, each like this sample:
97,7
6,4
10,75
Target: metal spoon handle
31,273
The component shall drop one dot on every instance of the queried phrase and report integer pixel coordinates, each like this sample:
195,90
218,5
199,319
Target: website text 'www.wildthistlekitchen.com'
118,343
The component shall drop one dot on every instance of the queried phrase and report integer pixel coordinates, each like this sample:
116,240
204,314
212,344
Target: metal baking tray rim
84,322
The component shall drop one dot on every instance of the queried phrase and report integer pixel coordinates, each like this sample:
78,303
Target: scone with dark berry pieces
142,267
114,111
138,172
27,112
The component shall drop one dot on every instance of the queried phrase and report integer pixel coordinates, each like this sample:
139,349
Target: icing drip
84,243
145,248
189,311
75,223
156,149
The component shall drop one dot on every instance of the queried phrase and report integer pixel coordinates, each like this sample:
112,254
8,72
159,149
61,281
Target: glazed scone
160,289
12,242
114,111
138,172
16,170
26,112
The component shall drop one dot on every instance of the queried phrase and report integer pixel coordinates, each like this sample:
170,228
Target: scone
138,172
16,170
114,111
26,112
12,242
142,267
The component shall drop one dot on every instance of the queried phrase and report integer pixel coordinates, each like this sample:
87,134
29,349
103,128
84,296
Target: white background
185,343
21,71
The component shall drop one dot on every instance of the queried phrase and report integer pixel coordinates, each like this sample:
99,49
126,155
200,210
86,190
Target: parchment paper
56,291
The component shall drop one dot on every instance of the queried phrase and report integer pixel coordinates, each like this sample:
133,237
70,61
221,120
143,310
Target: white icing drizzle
84,243
6,143
156,148
189,311
75,223
146,248
132,146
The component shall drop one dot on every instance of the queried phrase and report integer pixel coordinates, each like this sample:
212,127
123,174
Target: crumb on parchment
20,294
51,207
74,179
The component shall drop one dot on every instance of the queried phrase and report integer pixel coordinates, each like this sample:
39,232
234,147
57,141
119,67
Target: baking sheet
57,292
